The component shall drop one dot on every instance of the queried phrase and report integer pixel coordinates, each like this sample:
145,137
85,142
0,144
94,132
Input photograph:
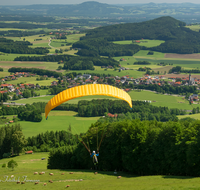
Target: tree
12,164
18,141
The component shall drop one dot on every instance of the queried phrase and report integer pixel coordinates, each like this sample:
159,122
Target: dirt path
49,44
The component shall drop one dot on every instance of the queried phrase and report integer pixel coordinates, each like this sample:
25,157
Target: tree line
20,47
72,62
139,147
45,142
20,33
169,89
121,109
28,112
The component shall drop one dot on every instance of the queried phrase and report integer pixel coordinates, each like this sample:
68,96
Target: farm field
143,53
162,100
58,121
193,116
99,70
156,99
10,57
30,163
47,98
195,27
29,64
143,42
189,64
32,80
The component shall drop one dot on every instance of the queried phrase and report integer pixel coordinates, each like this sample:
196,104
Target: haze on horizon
67,2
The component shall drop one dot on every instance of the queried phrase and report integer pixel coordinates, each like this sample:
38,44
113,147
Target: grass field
162,100
143,54
99,70
41,65
28,164
58,121
194,116
73,101
194,27
187,64
157,99
144,42
32,80
11,57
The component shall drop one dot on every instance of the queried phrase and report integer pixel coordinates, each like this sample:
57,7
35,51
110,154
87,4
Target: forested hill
163,28
178,38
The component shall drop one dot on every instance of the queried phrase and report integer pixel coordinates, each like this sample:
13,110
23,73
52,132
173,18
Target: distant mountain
187,12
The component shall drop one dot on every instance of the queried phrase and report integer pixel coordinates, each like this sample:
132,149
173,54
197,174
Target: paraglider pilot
94,157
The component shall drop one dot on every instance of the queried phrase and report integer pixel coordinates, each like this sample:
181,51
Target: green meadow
84,179
193,116
195,27
58,121
32,80
11,57
171,101
99,70
143,42
28,64
73,101
187,64
143,54
162,100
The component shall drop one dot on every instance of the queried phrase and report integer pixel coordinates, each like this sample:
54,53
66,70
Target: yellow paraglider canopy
85,90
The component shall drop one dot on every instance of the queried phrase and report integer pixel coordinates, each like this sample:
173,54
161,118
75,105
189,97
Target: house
54,83
29,152
86,76
194,97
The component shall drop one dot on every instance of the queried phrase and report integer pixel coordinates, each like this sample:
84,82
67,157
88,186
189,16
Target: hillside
178,38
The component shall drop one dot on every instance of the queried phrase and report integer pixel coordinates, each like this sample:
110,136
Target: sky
27,2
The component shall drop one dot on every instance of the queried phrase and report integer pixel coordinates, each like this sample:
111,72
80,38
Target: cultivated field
29,64
143,42
170,101
84,179
182,56
32,80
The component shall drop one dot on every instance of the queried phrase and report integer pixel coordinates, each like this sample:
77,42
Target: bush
6,155
12,164
3,165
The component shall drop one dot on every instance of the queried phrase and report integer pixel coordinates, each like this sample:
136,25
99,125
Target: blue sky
27,2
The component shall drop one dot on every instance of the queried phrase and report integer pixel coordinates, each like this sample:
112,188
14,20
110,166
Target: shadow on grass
124,174
178,177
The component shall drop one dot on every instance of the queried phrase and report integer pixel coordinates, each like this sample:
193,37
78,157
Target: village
124,82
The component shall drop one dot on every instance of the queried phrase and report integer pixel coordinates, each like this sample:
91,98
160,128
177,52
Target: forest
139,147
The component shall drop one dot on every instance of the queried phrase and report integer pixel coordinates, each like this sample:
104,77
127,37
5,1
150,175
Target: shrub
6,155
12,164
3,165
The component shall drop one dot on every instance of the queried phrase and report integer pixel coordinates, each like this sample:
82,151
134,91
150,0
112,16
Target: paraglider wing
85,90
